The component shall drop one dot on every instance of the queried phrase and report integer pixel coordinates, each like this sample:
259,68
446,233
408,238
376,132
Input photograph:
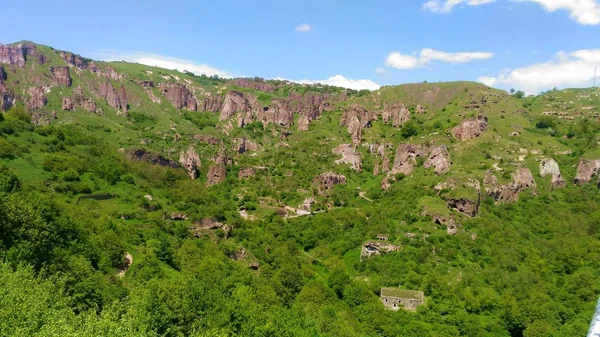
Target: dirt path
364,196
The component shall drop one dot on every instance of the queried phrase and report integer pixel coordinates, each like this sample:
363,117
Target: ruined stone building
395,299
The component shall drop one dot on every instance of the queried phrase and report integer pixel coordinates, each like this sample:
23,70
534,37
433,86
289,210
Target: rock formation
61,76
466,203
216,174
255,84
307,204
242,145
405,159
356,118
349,156
207,139
586,170
14,55
549,166
396,113
152,158
383,165
191,162
246,172
37,98
439,159
303,123
326,181
7,99
115,99
110,74
75,61
212,103
278,113
179,95
470,128
374,248
522,179
3,75
443,220
420,109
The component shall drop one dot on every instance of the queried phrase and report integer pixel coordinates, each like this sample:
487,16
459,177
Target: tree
519,94
512,91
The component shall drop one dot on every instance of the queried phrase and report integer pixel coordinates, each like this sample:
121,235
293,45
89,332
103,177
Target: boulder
374,248
61,76
549,166
349,156
470,128
439,159
586,170
191,162
37,98
326,181
179,95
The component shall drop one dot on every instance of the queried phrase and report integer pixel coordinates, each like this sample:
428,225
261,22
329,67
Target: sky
529,45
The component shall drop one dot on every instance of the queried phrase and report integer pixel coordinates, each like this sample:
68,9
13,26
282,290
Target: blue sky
526,44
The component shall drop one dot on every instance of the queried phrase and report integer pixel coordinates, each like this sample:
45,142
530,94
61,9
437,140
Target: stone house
395,298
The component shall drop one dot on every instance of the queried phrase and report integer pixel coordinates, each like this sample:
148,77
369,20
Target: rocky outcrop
152,158
382,165
405,159
586,170
303,123
179,95
420,109
14,55
155,99
191,162
61,76
396,113
110,73
207,139
115,99
307,204
216,174
466,203
374,248
522,179
356,117
447,221
549,166
349,156
325,182
278,113
470,128
204,227
7,99
36,99
246,173
439,159
242,145
89,105
75,61
255,84
355,130
3,75
212,103
246,107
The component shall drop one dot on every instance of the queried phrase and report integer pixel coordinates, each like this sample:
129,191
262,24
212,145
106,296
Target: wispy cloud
163,62
446,6
341,81
585,12
303,28
380,70
573,69
426,56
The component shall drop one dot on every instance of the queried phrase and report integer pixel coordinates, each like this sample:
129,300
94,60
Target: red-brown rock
180,96
191,162
37,98
61,76
470,128
326,181
349,156
439,159
216,174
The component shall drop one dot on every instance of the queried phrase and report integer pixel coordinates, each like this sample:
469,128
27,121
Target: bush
8,181
409,130
545,122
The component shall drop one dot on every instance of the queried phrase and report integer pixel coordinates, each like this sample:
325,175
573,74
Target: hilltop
261,196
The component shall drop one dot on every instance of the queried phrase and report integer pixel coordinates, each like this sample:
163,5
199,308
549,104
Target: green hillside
166,203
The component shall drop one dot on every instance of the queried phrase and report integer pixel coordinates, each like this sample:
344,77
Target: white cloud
446,6
163,62
341,81
585,12
303,28
380,70
573,69
427,56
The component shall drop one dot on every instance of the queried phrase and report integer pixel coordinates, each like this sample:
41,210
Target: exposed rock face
212,103
201,228
326,181
356,118
2,74
110,74
420,109
405,159
61,76
306,204
463,204
67,104
349,156
180,96
113,97
439,159
374,248
13,55
549,166
278,113
89,105
7,99
355,130
152,96
447,221
470,128
586,170
246,173
42,118
207,139
216,174
75,60
255,84
37,98
246,107
191,162
382,166
303,123
222,158
396,113
522,179
152,158
241,145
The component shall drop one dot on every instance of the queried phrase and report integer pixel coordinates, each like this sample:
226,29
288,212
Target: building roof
400,293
